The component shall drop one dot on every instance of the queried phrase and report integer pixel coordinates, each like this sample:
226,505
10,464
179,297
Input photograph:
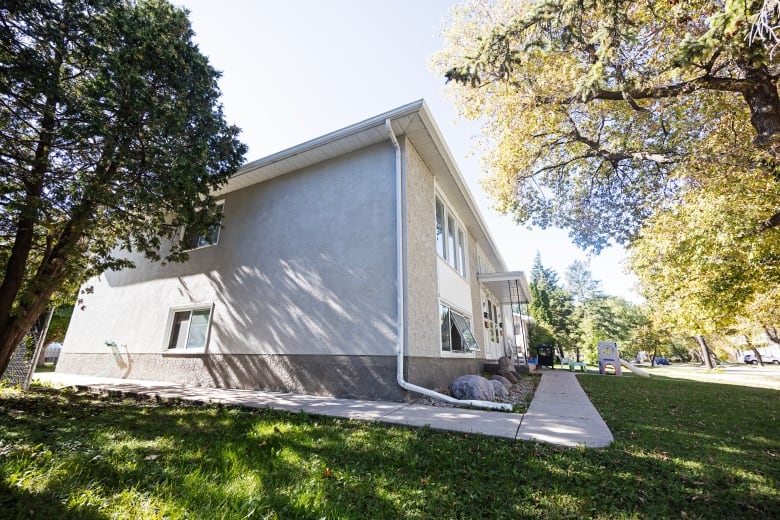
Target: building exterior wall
358,377
429,279
477,324
302,283
422,303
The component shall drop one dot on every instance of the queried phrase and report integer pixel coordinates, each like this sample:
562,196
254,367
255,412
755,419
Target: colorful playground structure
610,357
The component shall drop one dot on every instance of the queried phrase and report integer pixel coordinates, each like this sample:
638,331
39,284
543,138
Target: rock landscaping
497,388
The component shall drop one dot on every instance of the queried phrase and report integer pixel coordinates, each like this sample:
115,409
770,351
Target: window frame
169,328
460,246
452,243
441,228
453,327
220,208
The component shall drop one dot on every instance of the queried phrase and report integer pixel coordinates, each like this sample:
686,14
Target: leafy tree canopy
111,138
600,112
707,265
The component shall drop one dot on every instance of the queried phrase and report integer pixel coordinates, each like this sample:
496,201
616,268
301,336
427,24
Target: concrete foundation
353,377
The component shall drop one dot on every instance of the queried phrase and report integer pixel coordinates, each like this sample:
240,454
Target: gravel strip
519,394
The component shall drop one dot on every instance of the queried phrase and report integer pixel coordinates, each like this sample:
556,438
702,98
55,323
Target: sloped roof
413,120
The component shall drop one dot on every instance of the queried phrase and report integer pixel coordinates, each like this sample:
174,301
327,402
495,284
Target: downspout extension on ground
401,303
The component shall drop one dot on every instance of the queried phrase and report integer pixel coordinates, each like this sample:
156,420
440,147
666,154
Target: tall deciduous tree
111,138
601,110
706,264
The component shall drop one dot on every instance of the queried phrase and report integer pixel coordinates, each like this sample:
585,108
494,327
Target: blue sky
297,69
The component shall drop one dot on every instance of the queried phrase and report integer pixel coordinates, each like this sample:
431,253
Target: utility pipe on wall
400,308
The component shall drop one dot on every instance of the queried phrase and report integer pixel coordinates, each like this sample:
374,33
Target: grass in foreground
682,450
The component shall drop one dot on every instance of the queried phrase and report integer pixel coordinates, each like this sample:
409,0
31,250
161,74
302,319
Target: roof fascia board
331,137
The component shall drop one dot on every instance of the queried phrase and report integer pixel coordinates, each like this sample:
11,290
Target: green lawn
683,450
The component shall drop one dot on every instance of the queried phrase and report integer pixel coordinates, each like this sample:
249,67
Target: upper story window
440,232
483,266
450,238
462,251
194,240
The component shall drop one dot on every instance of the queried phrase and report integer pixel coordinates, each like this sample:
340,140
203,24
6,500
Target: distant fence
22,364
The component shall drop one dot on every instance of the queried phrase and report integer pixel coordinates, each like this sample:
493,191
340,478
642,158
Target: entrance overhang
509,287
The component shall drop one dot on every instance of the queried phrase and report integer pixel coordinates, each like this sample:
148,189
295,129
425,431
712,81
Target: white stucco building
332,256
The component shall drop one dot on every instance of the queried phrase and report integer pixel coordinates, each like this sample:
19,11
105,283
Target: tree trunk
14,326
758,356
48,278
764,103
772,334
705,351
754,349
17,327
10,337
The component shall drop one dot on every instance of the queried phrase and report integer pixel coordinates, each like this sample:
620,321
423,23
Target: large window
461,252
456,335
440,228
189,328
194,240
450,238
483,266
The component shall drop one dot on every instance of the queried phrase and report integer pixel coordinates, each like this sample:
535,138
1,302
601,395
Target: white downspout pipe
400,308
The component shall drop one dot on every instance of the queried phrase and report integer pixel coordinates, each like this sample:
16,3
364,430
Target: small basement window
189,328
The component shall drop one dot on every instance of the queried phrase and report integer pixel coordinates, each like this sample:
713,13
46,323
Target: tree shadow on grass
179,460
232,463
17,504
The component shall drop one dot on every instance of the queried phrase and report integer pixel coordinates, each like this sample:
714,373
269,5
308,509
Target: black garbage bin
546,356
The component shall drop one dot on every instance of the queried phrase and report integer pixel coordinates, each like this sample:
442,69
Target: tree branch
771,222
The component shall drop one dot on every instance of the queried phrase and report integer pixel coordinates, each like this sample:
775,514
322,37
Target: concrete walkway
560,412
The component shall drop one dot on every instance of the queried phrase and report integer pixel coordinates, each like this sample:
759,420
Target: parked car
750,359
661,361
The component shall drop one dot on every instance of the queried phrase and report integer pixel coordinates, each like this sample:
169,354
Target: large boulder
504,381
511,376
499,390
471,387
504,363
